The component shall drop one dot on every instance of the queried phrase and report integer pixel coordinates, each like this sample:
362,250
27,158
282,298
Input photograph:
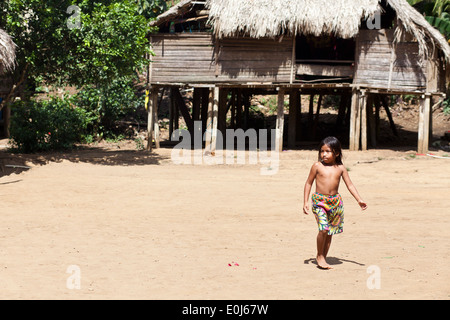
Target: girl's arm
352,188
307,190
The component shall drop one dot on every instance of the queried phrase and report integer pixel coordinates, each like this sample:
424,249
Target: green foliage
108,104
151,8
437,13
446,106
110,41
47,125
442,23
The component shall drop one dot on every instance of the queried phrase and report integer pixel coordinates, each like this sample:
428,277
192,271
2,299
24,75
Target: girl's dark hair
335,146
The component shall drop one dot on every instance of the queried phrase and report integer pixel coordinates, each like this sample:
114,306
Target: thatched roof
7,52
270,18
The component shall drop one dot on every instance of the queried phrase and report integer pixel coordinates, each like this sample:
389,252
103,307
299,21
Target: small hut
7,52
7,62
361,50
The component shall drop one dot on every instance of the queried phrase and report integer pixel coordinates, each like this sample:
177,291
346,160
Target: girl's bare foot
322,263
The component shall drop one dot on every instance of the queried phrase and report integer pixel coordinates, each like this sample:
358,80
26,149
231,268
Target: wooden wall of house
382,64
195,58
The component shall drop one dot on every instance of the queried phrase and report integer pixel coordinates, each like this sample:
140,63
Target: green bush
47,125
109,105
446,106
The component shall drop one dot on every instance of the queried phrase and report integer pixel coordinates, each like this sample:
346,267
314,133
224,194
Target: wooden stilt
280,121
155,121
171,114
150,116
424,123
358,122
215,120
354,140
212,122
363,114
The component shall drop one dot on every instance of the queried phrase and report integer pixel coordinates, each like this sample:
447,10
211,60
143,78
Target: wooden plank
377,34
396,68
396,76
257,55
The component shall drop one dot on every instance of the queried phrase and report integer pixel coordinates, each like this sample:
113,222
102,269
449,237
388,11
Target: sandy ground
127,225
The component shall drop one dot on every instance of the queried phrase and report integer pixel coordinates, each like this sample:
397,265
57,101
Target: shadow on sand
332,261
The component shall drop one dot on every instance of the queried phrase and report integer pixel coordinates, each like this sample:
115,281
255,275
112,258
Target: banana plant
437,13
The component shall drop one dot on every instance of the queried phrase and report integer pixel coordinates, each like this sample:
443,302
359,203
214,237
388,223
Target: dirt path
136,226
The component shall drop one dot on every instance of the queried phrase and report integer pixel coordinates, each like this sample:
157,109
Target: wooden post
294,106
354,142
358,122
155,120
424,122
363,114
280,121
150,116
212,122
215,119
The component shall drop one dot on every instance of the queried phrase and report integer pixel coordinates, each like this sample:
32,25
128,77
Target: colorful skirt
329,212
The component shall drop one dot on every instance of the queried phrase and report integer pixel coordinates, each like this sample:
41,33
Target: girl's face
327,155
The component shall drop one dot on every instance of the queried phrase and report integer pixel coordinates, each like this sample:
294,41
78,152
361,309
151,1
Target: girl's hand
306,209
362,204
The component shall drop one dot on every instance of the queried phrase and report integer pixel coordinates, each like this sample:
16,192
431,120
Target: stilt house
361,50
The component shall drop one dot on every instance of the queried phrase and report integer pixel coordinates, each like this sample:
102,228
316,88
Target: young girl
327,204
